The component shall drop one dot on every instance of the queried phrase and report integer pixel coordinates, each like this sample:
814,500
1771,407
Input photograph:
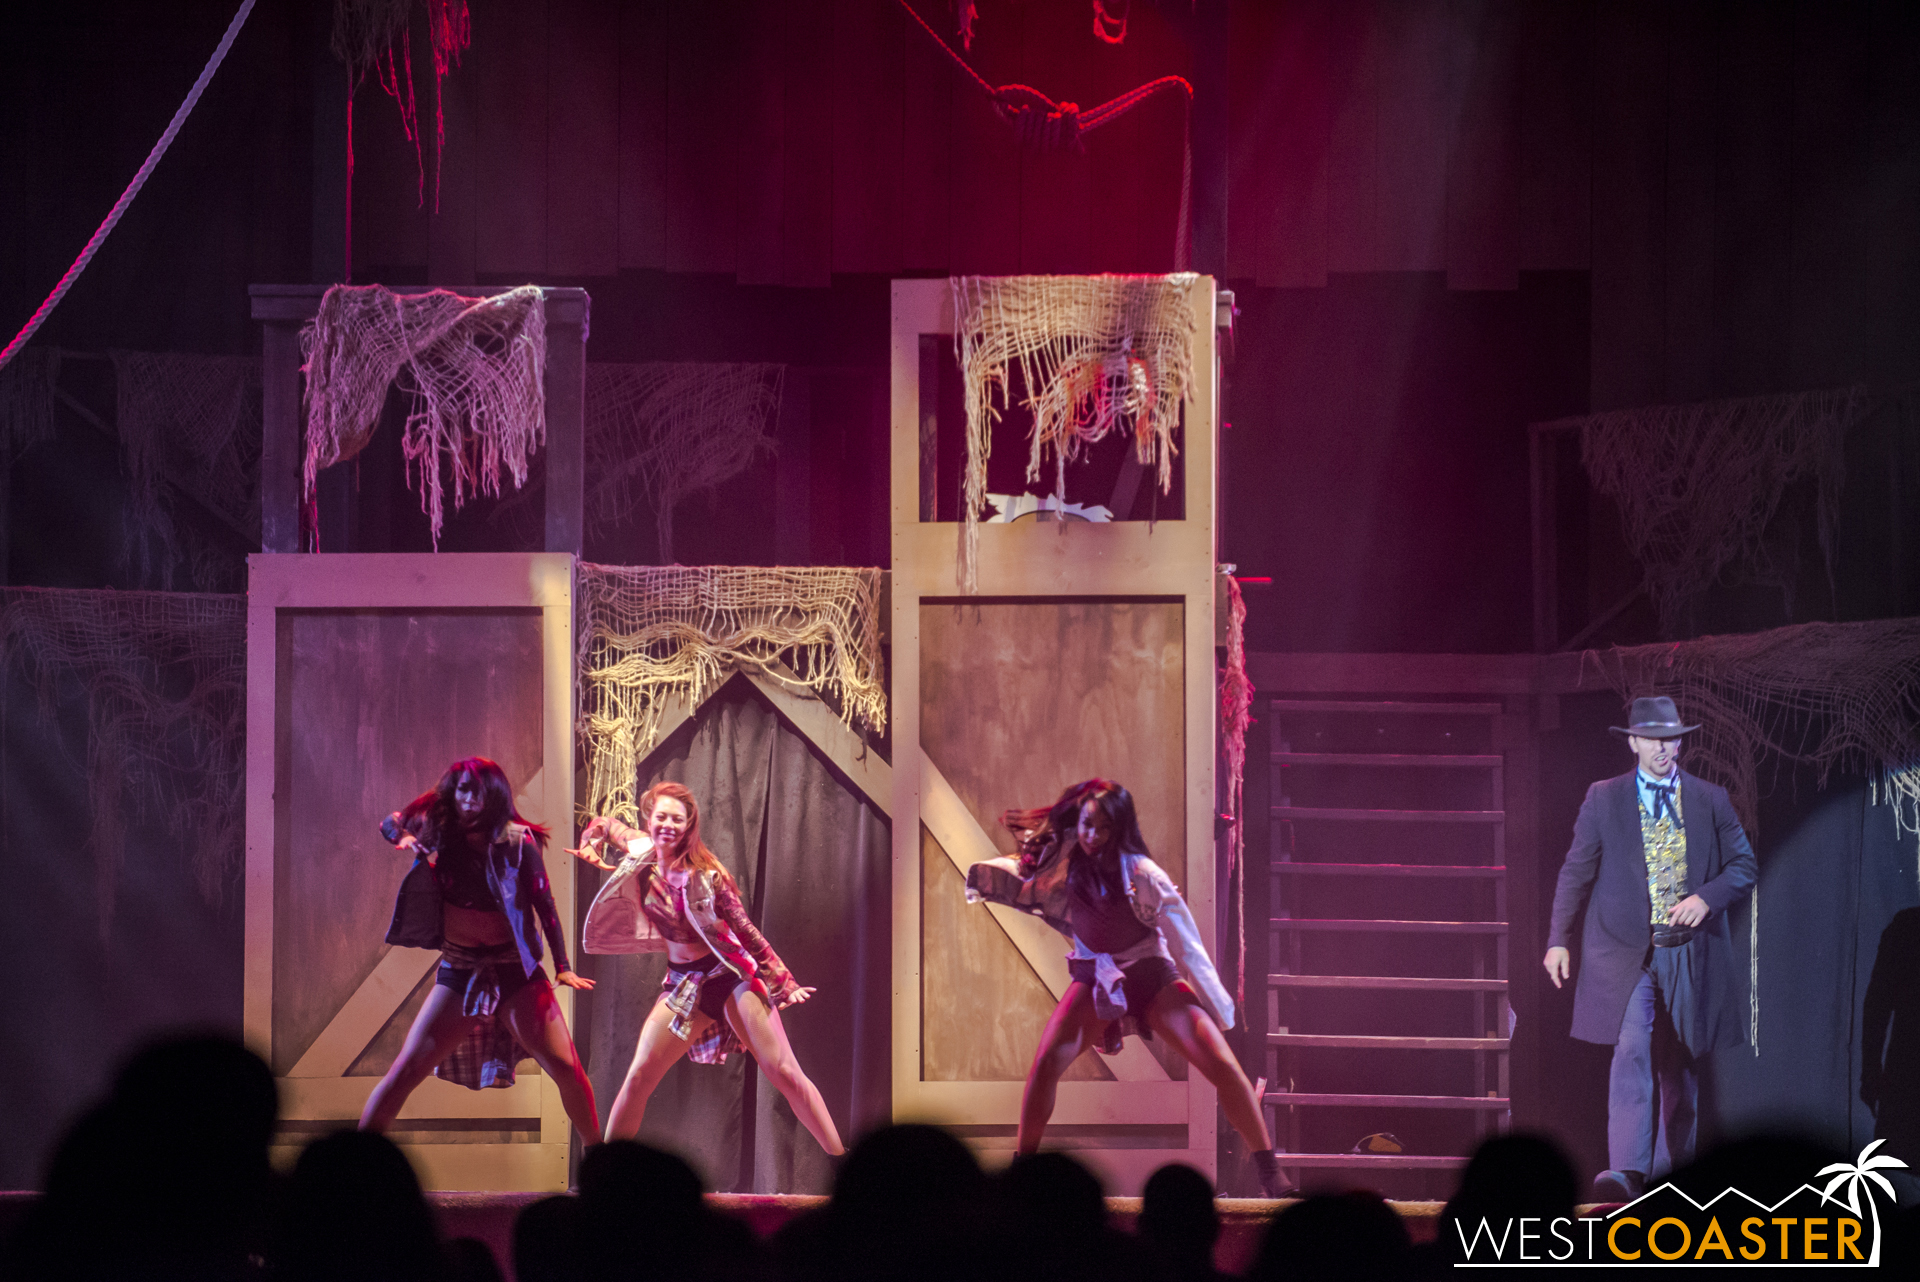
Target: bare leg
436,1030
758,1027
535,1020
657,1051
1192,1032
1071,1030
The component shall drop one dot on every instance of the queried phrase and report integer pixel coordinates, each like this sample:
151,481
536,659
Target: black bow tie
1662,800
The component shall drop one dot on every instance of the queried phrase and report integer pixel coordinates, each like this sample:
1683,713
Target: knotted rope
1040,121
112,219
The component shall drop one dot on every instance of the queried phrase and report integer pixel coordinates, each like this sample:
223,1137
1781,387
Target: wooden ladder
1487,1039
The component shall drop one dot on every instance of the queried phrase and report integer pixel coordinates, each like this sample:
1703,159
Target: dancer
724,988
478,892
1658,857
1084,869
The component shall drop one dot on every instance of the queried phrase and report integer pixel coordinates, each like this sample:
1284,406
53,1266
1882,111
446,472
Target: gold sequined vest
1665,843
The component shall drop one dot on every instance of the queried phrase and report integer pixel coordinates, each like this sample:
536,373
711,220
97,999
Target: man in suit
1658,857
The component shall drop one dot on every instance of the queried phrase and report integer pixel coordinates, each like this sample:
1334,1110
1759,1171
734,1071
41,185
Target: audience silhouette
1179,1225
168,1179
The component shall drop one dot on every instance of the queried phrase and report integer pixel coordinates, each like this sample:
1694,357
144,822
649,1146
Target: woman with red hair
478,892
725,986
1137,964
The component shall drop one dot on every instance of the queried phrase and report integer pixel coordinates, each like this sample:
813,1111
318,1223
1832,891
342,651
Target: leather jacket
616,923
516,872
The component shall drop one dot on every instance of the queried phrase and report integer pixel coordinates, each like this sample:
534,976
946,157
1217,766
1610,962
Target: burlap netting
1830,696
1699,484
472,369
662,430
1236,715
165,678
27,384
648,634
1096,354
192,422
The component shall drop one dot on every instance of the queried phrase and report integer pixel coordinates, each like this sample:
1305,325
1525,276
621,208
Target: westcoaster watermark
1666,1225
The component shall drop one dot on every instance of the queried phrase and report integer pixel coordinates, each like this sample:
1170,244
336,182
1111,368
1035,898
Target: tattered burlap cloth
165,676
663,430
1698,484
473,372
650,632
1096,354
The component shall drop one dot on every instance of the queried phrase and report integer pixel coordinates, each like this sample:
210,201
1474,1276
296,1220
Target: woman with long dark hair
478,892
725,986
1137,963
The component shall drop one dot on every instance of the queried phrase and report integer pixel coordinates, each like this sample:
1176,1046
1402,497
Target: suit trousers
1653,1089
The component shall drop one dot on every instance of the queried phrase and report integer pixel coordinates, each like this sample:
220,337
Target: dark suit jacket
1608,860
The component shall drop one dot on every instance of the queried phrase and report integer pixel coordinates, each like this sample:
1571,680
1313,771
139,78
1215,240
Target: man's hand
1690,911
1559,964
572,980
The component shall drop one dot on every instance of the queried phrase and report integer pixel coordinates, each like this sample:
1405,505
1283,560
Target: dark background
1442,221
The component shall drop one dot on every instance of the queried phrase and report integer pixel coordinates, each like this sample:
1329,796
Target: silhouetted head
1055,1195
178,1151
1334,1236
1517,1175
546,1236
638,1183
1177,1211
905,1169
354,1209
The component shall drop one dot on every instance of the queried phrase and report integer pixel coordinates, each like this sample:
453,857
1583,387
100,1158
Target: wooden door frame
1168,560
316,1089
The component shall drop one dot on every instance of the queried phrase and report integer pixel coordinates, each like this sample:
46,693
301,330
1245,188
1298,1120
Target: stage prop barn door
367,675
1087,650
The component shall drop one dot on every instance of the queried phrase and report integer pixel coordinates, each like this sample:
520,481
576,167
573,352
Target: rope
133,188
1041,119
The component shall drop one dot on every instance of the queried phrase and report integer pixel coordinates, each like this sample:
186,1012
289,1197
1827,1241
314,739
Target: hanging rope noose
1041,121
133,188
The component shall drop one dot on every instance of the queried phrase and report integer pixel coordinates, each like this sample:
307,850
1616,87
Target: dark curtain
1835,873
811,856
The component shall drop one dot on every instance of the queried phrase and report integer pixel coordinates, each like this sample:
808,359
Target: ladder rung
1365,926
1475,761
1386,707
1344,1042
1391,816
1389,870
1404,1161
1305,1099
1415,983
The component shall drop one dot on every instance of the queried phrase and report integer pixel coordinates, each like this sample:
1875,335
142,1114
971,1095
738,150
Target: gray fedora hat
1654,718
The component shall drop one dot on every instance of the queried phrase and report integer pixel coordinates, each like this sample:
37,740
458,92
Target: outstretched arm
533,876
1158,894
782,988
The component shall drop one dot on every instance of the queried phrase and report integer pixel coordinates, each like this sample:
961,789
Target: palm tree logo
1855,1176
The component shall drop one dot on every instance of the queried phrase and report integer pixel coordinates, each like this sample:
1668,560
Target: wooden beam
824,729
569,314
959,834
362,1016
